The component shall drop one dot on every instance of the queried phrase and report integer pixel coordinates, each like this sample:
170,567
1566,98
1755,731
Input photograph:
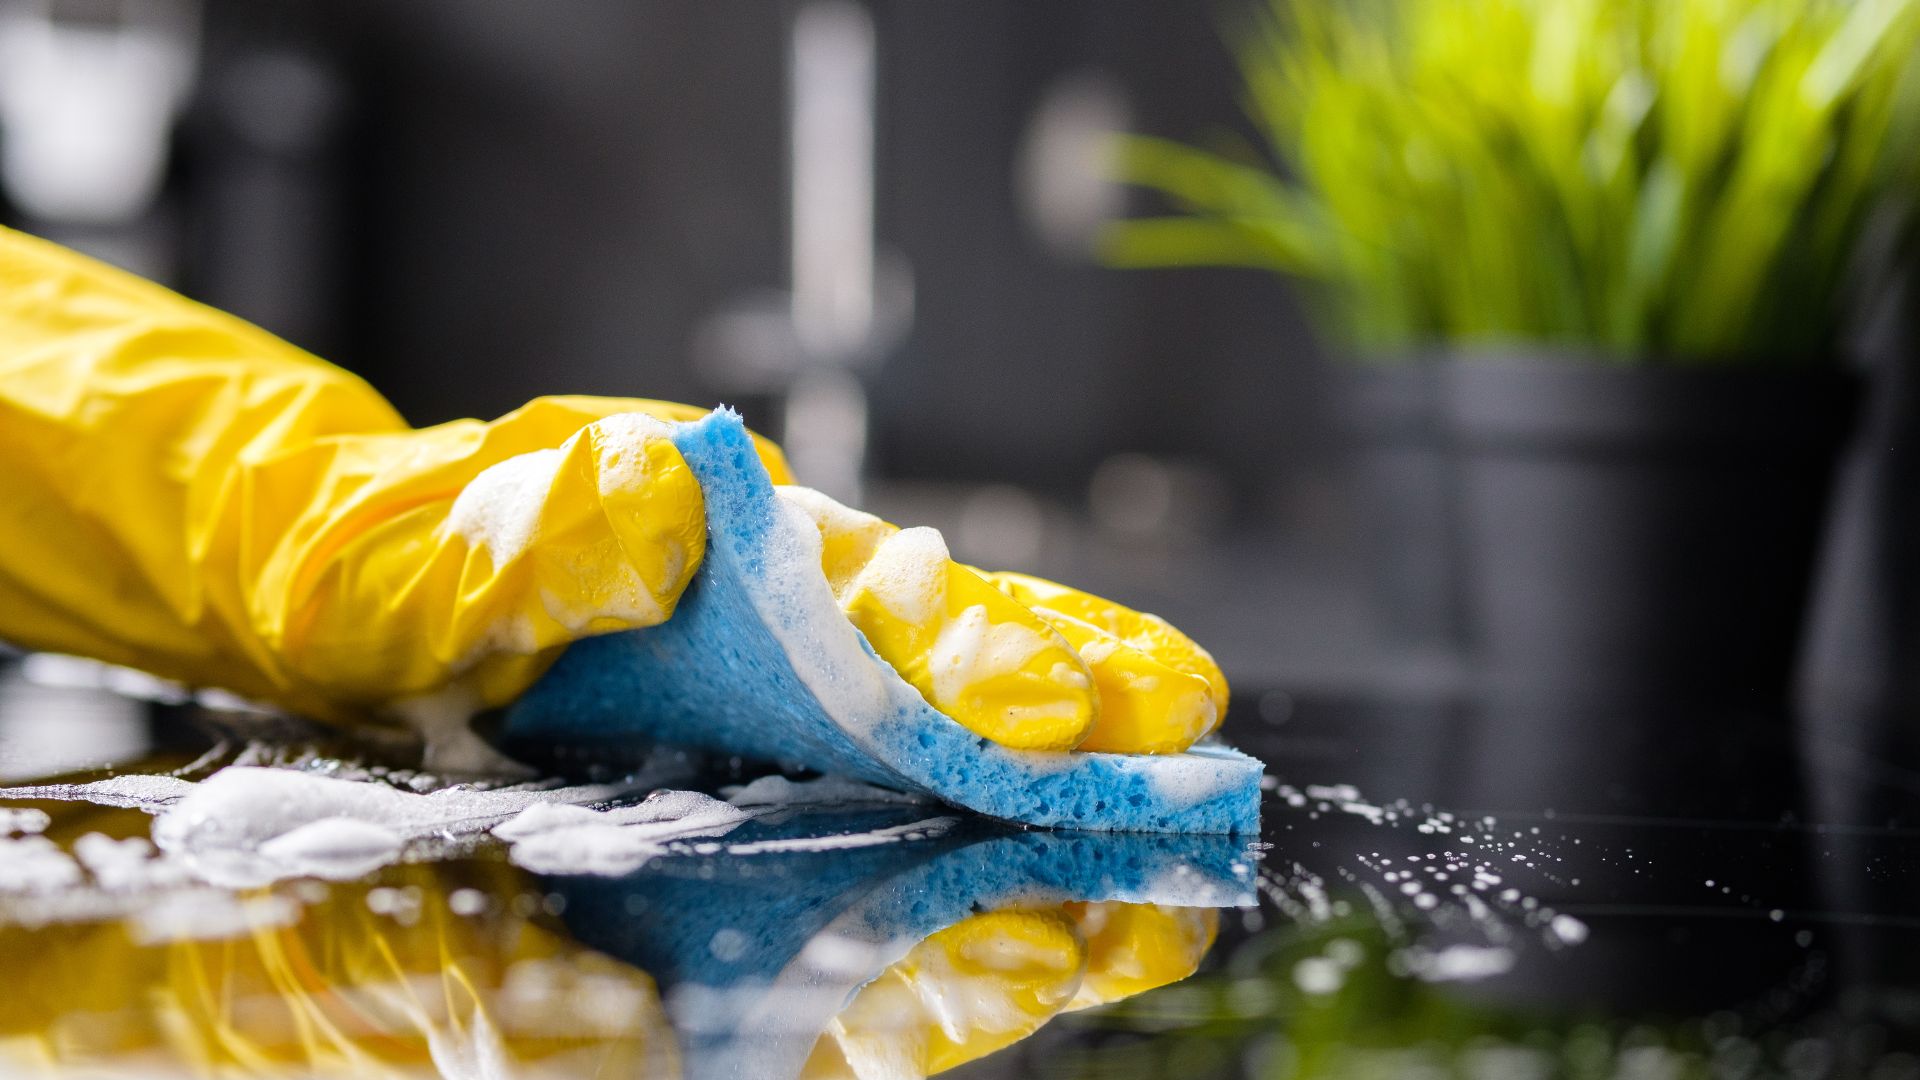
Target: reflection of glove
341,988
188,495
445,965
995,978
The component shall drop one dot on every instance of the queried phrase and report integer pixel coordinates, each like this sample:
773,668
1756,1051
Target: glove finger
973,652
1126,649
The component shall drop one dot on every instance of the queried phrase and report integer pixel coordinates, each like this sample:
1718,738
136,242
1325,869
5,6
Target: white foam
778,791
622,442
796,605
1187,779
546,817
245,826
149,793
916,830
35,864
971,649
793,599
129,865
444,721
858,530
338,848
499,510
208,915
576,840
660,807
907,574
28,820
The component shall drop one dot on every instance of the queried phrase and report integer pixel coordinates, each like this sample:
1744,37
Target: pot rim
1514,401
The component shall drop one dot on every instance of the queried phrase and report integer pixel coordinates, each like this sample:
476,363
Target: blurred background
875,227
472,204
1205,306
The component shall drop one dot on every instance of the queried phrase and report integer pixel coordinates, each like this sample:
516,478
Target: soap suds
128,865
499,513
35,864
795,604
337,848
499,510
246,826
778,791
576,840
907,575
622,443
854,534
149,793
14,822
208,915
546,817
916,830
971,649
444,721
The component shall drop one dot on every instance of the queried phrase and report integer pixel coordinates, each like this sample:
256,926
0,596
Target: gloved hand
188,495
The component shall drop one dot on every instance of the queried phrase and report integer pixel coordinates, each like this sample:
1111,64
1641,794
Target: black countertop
1441,889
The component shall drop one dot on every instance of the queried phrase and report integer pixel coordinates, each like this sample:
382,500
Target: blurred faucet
847,303
89,93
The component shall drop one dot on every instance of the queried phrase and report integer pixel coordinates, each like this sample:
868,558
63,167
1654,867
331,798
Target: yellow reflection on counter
425,974
995,978
469,968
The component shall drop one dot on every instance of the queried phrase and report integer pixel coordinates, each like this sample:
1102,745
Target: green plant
1676,180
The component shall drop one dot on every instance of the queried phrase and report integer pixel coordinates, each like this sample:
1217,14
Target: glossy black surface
1460,890
1748,885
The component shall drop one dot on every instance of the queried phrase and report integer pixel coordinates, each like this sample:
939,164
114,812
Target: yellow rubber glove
188,495
1020,660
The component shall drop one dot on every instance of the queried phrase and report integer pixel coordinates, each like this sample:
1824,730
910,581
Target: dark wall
551,196
516,199
1058,361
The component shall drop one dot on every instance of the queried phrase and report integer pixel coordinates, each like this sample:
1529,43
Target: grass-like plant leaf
1686,181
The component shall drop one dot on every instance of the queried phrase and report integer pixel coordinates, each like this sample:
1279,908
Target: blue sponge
759,662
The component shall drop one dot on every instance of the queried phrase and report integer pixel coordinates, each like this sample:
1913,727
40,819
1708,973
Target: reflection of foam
809,927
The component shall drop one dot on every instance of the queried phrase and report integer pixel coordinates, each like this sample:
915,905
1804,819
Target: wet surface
1438,891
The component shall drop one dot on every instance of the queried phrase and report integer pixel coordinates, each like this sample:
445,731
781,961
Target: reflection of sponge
755,955
760,662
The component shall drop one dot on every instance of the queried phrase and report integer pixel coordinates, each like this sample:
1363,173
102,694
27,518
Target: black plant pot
1382,412
1638,534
